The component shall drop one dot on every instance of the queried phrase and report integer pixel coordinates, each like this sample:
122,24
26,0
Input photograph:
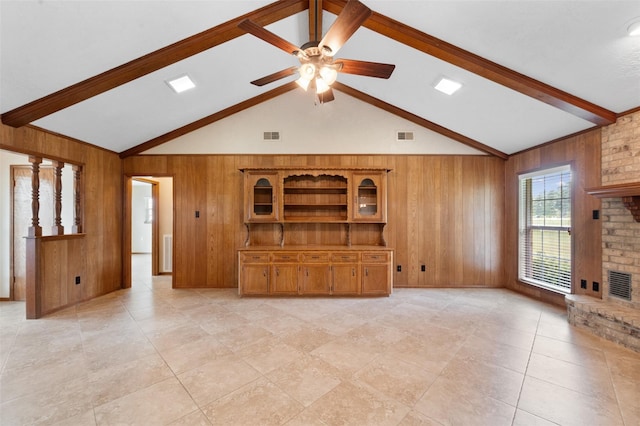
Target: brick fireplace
620,231
617,316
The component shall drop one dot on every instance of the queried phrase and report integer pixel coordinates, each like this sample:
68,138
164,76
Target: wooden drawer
284,257
378,257
344,257
255,257
315,257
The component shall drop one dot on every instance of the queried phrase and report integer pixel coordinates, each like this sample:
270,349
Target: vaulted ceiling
532,71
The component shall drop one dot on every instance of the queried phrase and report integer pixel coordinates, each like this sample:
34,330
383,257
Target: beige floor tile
397,379
269,353
502,384
523,418
194,354
349,404
455,403
161,403
207,356
567,407
217,378
344,356
594,381
48,405
127,377
257,403
415,418
306,379
168,338
491,352
197,418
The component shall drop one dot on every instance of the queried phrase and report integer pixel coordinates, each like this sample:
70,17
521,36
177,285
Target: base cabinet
322,273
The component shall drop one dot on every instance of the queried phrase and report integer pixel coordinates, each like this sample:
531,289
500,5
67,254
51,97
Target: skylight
447,86
181,84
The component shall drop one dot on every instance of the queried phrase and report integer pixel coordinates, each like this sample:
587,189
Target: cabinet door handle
353,272
307,271
366,272
278,272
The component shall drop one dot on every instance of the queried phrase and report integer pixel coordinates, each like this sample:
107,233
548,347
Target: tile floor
153,356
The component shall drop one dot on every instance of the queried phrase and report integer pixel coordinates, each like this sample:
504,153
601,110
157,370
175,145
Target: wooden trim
561,138
618,190
473,63
629,111
209,119
418,120
315,20
155,251
149,63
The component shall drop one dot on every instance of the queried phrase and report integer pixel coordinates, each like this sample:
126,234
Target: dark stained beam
209,119
315,20
490,70
418,120
149,63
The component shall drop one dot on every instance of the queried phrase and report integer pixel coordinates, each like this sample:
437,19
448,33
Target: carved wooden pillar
35,230
77,197
57,228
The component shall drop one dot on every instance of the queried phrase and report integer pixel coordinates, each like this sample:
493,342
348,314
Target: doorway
148,248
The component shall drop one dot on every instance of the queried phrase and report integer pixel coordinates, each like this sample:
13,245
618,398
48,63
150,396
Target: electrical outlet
423,268
595,214
77,280
399,268
583,284
197,214
596,286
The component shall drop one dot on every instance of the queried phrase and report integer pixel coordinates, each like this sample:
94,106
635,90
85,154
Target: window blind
545,228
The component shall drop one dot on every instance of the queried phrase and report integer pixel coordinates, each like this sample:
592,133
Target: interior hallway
151,355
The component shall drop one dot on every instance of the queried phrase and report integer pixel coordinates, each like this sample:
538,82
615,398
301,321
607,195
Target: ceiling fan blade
350,19
275,76
369,69
266,35
326,96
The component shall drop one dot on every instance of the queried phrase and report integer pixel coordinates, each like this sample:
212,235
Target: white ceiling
580,47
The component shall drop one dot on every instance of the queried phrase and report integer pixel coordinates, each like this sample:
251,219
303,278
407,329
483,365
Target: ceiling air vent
404,136
620,285
271,136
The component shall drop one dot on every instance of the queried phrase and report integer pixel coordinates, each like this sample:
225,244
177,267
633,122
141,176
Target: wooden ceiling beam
418,120
315,20
473,63
149,63
209,119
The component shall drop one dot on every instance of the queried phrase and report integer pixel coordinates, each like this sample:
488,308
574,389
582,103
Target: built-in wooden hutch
315,232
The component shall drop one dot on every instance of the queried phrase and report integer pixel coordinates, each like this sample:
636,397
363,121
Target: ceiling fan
318,69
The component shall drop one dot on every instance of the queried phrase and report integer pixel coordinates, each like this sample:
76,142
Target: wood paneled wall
583,152
97,255
444,212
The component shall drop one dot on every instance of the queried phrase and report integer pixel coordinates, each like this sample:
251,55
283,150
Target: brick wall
620,233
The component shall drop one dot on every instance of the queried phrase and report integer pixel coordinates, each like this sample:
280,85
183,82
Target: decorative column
77,197
35,230
57,228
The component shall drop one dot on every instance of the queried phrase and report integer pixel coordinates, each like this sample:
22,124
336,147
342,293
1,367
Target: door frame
155,237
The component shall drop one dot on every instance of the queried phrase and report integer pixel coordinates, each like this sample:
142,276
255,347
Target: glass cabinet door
261,196
368,200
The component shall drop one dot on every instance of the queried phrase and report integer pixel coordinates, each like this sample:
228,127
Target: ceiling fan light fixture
181,84
303,82
307,71
328,74
634,29
321,85
447,86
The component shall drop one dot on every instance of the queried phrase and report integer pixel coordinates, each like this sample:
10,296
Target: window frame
524,207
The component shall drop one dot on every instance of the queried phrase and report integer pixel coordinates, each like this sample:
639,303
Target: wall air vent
271,136
404,136
620,285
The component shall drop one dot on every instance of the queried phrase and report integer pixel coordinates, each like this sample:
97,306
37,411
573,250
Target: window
544,250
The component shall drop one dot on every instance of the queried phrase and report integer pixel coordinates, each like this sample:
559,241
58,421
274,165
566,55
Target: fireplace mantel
629,192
